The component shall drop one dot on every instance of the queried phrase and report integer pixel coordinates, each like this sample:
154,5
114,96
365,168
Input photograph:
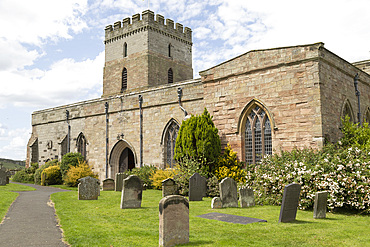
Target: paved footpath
31,220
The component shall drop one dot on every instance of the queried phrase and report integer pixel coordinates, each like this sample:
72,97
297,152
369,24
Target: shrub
70,160
38,172
213,188
198,140
161,175
74,173
185,170
144,173
23,177
51,175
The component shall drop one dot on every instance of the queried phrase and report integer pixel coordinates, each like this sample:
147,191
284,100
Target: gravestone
132,191
319,208
119,181
169,187
216,203
228,193
8,175
173,220
108,184
88,188
197,187
3,176
289,205
246,197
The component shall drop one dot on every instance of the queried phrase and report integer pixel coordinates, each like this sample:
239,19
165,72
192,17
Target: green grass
102,223
7,196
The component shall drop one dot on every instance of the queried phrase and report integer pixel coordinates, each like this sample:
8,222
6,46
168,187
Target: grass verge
7,197
102,223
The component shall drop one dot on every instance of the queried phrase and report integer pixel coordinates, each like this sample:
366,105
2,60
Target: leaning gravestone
3,176
108,184
228,193
246,197
319,208
289,205
197,187
173,220
169,187
119,181
132,191
88,188
216,203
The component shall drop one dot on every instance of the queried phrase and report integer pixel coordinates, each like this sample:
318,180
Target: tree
198,140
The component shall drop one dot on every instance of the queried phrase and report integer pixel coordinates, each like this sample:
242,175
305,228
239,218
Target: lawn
102,223
7,196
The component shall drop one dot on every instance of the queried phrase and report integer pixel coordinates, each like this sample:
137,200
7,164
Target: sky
52,51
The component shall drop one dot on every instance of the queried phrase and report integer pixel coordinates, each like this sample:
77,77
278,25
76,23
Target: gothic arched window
125,49
367,116
170,76
124,80
347,111
258,139
81,145
170,142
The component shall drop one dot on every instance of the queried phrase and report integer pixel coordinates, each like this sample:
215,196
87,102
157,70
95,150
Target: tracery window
258,139
124,80
81,145
125,50
347,111
170,142
170,76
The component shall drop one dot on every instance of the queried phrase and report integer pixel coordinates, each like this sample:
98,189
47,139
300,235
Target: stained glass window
170,140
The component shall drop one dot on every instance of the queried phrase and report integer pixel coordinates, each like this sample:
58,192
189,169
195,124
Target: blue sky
52,51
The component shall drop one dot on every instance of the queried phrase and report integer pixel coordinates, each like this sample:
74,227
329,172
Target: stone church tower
145,53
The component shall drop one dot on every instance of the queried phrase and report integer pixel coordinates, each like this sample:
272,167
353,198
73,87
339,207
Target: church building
262,101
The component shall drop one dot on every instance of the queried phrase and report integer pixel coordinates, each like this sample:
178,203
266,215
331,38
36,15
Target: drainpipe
68,132
141,128
106,138
179,94
358,98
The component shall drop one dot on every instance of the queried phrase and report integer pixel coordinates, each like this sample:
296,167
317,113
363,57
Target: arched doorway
126,160
122,157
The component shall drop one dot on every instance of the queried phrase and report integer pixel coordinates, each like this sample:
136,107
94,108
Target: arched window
169,50
170,76
258,138
367,116
124,80
125,49
170,142
347,111
81,144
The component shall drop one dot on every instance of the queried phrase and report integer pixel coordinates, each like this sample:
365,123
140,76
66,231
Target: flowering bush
144,173
51,175
74,173
161,175
342,169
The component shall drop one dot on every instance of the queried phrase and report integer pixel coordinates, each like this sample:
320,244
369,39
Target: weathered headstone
197,187
169,187
3,176
228,193
246,197
132,191
289,205
108,184
119,181
88,188
319,208
8,175
173,220
216,203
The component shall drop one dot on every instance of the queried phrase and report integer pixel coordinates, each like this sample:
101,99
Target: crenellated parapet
146,21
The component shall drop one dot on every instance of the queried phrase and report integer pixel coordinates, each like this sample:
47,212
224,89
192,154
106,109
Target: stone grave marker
216,203
246,197
197,187
88,188
132,191
119,181
3,176
289,205
8,175
228,193
319,208
108,184
169,187
173,220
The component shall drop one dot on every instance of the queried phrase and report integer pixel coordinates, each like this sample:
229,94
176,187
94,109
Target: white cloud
14,143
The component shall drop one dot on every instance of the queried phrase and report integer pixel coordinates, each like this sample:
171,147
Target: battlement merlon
146,19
